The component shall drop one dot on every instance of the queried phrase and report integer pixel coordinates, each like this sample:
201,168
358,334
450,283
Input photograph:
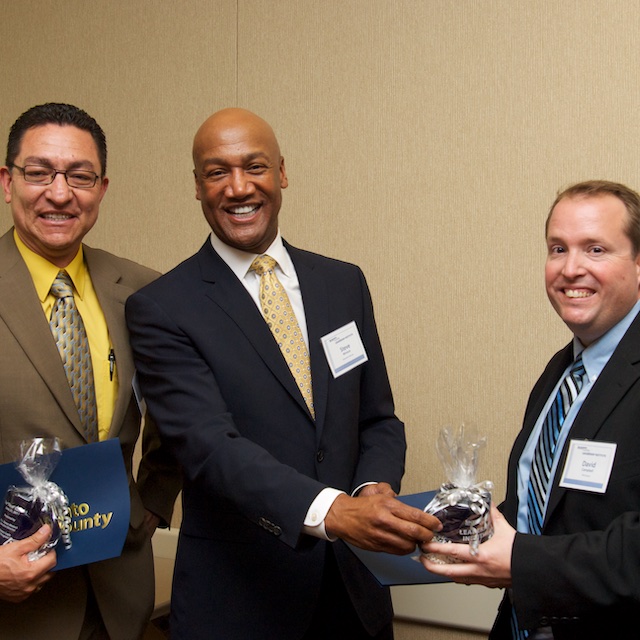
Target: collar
240,261
596,355
44,272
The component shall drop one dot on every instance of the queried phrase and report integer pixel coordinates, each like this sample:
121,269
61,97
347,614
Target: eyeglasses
76,178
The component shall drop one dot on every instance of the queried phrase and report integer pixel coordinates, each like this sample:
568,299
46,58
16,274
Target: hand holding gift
462,505
27,508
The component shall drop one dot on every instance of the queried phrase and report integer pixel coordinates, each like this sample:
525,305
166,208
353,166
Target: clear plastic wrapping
462,505
40,502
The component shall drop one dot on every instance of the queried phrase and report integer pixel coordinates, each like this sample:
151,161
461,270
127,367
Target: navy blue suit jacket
581,575
253,457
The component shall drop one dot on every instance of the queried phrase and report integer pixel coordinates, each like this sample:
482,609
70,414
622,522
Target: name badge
588,465
343,349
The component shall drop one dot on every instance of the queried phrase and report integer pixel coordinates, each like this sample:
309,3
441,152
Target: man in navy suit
274,484
578,577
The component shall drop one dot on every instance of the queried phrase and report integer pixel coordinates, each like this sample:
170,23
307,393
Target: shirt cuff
359,488
314,522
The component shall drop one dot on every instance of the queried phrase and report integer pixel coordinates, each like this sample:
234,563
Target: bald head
228,127
239,174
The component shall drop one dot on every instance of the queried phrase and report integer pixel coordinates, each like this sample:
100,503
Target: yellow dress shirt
105,375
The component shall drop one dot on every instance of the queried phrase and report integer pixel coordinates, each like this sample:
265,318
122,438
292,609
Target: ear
104,184
198,189
284,182
5,178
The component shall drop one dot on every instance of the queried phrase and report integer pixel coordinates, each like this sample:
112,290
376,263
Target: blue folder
392,570
95,481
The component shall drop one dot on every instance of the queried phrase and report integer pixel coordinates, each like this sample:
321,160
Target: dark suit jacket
35,400
582,574
217,385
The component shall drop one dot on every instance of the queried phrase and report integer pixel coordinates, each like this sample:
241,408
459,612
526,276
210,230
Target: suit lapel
223,288
619,375
316,300
539,396
24,318
112,296
607,393
537,399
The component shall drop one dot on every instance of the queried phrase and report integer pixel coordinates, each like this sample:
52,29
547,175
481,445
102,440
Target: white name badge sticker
344,349
588,465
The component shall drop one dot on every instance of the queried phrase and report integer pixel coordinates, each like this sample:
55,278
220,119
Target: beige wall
424,140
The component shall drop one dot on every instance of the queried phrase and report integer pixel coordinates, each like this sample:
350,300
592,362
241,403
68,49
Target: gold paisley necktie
282,321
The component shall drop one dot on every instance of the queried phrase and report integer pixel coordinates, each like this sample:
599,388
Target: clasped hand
490,566
376,521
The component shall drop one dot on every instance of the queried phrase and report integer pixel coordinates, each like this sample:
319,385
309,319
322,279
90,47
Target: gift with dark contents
462,505
39,502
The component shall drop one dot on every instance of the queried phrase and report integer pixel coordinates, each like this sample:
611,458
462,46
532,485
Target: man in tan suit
54,180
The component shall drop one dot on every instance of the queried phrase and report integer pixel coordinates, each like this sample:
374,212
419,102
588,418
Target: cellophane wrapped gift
462,504
27,508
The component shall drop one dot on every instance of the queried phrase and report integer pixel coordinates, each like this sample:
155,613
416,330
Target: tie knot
62,286
262,264
578,370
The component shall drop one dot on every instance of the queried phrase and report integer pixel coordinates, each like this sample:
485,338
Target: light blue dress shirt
595,357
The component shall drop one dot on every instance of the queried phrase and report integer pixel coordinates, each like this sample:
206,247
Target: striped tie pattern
284,326
546,447
543,458
516,632
71,338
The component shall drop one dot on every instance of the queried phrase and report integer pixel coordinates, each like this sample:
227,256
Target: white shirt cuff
314,522
357,490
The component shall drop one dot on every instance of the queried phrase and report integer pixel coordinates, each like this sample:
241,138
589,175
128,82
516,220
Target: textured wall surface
424,140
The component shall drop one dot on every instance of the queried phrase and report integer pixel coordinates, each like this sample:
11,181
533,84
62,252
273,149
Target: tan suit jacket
35,400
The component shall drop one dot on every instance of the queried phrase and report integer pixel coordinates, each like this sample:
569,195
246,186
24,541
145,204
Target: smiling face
239,174
592,274
53,219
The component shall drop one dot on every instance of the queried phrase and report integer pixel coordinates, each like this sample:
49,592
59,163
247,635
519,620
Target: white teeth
56,216
243,210
574,293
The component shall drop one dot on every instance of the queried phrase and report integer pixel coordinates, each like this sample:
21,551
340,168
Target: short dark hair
596,188
61,114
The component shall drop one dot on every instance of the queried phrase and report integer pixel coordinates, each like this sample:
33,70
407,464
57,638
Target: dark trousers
93,627
334,617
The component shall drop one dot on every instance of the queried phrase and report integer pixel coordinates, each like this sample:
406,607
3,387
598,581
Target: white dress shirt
240,263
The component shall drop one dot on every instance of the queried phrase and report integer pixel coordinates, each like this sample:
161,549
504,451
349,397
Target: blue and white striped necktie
547,442
543,458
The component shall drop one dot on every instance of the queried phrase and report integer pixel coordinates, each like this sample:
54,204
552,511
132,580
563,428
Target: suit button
270,526
320,455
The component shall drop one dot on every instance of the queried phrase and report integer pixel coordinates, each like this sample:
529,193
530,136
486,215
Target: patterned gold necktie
70,336
282,321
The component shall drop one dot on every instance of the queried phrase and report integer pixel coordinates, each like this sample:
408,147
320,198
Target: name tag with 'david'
588,465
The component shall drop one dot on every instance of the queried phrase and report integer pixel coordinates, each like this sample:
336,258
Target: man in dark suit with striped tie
567,538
